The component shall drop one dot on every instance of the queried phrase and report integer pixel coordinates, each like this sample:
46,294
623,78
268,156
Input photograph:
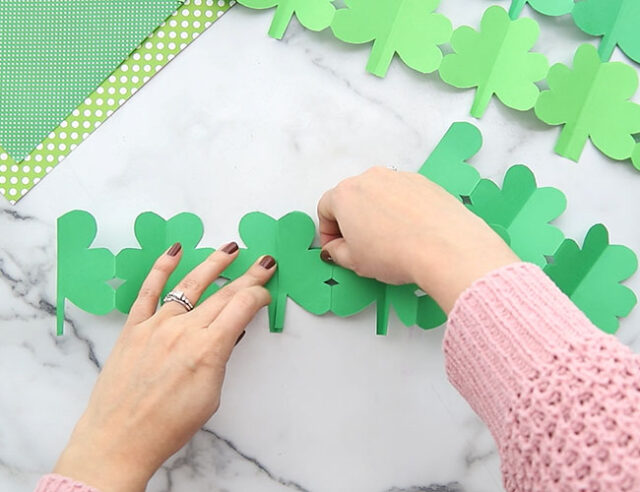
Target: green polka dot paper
55,52
158,49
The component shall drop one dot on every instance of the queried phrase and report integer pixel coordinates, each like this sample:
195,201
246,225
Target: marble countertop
241,122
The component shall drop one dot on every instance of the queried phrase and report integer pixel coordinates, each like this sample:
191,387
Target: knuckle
247,299
147,292
190,283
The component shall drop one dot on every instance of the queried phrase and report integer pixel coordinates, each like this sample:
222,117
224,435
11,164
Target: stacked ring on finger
179,297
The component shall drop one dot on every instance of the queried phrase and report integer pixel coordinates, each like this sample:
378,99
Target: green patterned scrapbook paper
54,53
158,49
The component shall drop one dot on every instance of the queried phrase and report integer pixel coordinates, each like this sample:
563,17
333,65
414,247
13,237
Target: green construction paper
156,235
447,165
497,60
352,293
83,272
523,211
407,27
591,277
301,274
315,15
520,213
592,101
617,21
55,53
546,7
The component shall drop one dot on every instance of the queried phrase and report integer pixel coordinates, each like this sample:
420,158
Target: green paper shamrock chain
592,100
519,210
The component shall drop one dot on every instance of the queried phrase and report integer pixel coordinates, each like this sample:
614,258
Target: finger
147,301
257,275
328,227
337,251
236,315
201,277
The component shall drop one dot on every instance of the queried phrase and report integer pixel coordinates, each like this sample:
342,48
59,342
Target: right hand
402,228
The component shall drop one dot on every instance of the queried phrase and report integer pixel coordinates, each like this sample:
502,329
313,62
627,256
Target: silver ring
179,297
393,168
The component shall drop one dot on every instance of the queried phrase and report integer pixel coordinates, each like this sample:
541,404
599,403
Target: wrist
105,470
447,275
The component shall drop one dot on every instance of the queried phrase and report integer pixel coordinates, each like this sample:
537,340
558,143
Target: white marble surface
241,122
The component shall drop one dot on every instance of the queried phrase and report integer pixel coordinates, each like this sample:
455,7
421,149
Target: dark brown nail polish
175,249
268,262
240,337
230,248
325,256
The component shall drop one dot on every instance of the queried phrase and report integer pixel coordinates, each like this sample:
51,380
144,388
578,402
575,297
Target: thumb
337,251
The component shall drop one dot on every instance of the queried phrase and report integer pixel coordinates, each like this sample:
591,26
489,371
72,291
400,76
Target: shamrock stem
279,311
516,8
607,44
60,314
380,58
571,142
382,312
281,19
481,101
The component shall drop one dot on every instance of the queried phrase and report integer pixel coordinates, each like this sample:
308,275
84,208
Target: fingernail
268,262
175,249
230,248
325,256
240,337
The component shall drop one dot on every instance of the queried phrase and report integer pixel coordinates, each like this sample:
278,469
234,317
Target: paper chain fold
520,211
592,101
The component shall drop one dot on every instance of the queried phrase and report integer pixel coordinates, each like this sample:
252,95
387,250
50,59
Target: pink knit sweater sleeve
58,483
561,398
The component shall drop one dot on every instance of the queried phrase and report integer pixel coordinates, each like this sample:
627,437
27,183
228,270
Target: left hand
163,379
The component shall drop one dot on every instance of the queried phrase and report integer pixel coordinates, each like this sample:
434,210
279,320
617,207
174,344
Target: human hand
163,379
402,228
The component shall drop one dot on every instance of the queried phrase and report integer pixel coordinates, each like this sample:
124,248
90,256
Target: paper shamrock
83,272
592,101
617,21
521,212
546,7
447,164
155,235
301,274
407,27
591,277
315,15
497,61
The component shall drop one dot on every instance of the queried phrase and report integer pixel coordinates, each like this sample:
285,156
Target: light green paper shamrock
592,101
407,27
592,277
300,274
83,272
617,21
315,15
497,61
155,235
521,212
546,7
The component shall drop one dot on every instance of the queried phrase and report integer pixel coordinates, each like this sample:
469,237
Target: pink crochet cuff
58,483
502,330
